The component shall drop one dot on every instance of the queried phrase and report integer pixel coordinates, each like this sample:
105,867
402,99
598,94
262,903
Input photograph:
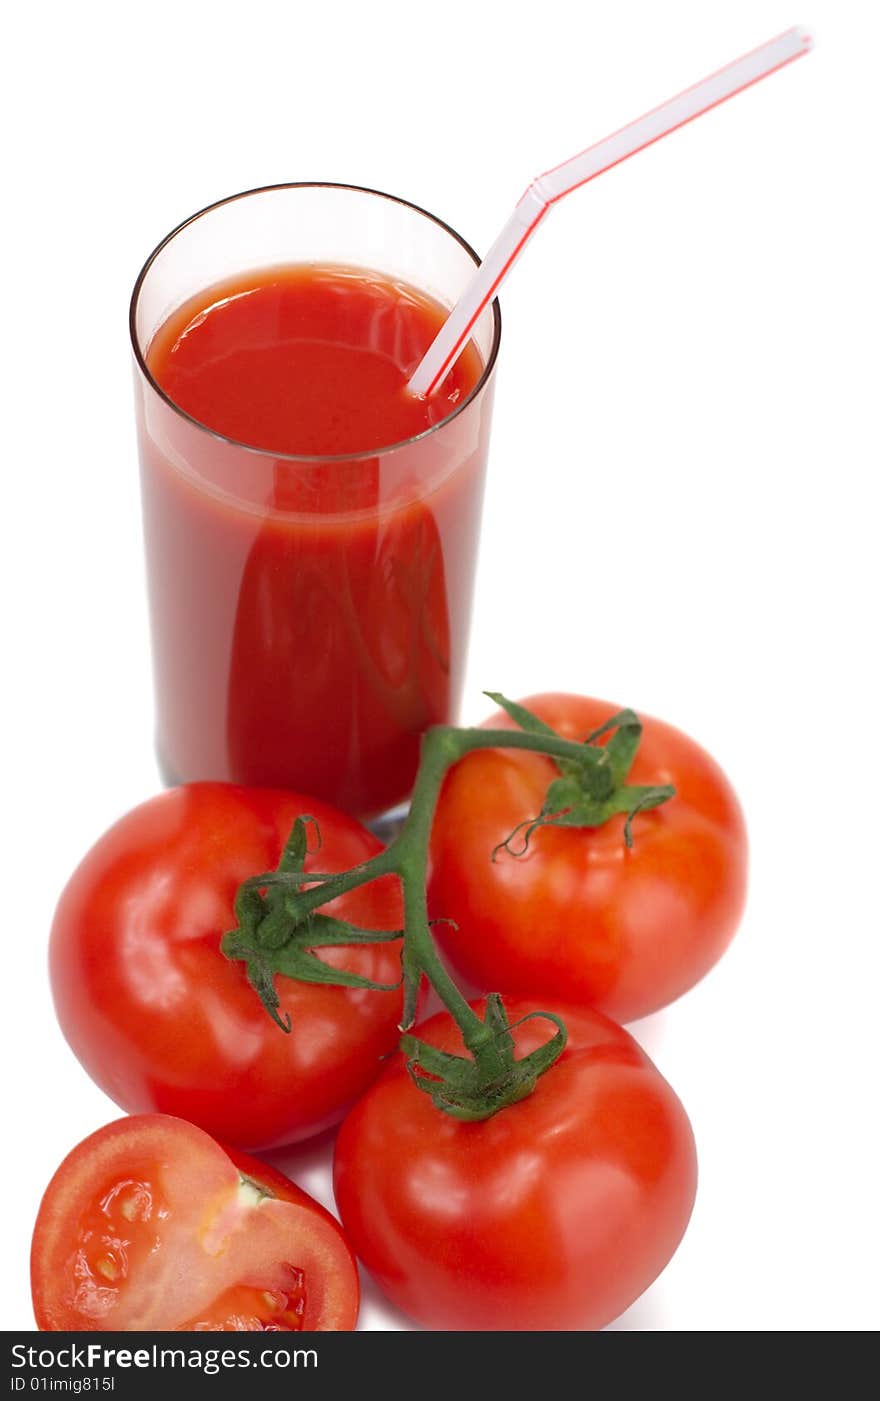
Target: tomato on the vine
556,1213
572,911
162,1021
149,1224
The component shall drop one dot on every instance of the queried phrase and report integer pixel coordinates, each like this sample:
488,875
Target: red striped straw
550,187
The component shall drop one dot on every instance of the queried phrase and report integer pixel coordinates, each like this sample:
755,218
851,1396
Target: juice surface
307,360
309,618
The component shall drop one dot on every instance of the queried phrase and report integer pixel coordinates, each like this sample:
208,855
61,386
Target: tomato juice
311,530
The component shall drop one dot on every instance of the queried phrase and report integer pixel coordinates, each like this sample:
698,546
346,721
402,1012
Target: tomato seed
133,1199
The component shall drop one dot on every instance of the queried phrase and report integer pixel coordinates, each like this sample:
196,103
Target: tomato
580,915
149,1224
161,1020
556,1213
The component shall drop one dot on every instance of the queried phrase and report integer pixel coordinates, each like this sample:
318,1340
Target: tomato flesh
149,1224
245,1308
117,1231
122,1227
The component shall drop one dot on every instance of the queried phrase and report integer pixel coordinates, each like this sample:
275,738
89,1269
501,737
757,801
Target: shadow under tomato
644,1316
650,1032
309,1165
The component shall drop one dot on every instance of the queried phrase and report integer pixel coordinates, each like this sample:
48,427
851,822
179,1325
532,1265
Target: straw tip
804,37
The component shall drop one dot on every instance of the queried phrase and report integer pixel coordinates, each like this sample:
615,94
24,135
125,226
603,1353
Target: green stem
331,886
441,748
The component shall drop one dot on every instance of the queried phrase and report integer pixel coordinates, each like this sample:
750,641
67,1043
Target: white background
681,514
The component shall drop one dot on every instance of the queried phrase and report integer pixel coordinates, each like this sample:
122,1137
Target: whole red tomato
161,1020
579,914
149,1224
554,1214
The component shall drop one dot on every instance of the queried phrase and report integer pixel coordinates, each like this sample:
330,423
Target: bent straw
550,187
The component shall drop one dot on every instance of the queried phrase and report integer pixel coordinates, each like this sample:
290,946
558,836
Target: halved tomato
150,1225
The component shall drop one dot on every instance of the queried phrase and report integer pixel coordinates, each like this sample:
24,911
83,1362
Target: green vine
280,924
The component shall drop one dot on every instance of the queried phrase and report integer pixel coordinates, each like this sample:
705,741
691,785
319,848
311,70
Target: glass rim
317,458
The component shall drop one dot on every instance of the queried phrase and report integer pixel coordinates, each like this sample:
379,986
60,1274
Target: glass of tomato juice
311,528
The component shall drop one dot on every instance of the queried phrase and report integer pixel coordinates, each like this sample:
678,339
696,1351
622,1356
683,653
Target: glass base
388,824
168,778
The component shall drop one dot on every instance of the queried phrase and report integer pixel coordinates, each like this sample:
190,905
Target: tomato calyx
476,1087
279,928
592,787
